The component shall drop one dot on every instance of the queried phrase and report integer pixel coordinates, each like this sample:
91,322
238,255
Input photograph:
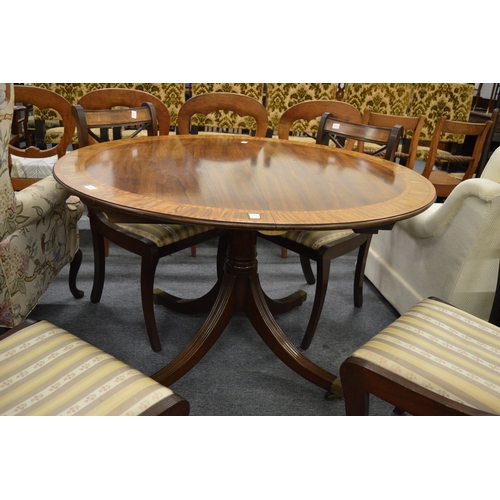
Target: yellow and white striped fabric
44,370
443,349
317,239
164,234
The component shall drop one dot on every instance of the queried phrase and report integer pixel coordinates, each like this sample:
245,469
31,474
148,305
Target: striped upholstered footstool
44,370
433,360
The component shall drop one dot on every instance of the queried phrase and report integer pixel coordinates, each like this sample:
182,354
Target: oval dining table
245,185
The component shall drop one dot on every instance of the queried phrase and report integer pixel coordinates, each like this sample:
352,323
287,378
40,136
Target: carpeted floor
239,375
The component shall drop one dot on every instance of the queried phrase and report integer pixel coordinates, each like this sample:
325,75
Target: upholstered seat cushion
32,168
164,234
44,370
317,239
443,349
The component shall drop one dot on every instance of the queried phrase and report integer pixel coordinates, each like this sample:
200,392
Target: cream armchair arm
451,251
434,221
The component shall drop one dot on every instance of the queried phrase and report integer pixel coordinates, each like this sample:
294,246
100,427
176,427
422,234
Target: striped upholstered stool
433,360
45,370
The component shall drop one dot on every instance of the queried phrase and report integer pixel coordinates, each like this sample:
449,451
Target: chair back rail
309,110
468,129
110,98
225,101
141,118
413,128
331,128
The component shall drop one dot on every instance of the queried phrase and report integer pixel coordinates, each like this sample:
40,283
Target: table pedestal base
239,289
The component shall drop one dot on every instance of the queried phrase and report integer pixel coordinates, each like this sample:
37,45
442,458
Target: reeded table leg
240,290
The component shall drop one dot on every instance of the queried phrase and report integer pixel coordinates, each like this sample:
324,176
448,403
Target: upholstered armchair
450,251
38,232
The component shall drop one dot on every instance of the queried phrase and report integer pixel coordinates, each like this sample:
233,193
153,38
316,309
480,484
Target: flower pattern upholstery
281,96
434,100
227,119
38,231
386,98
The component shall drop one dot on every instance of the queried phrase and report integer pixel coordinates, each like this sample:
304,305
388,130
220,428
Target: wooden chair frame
104,226
173,405
225,101
414,124
309,110
360,378
42,98
443,181
326,253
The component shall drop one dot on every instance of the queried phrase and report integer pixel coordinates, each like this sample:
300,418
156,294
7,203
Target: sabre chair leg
148,269
359,274
305,263
99,263
323,275
73,272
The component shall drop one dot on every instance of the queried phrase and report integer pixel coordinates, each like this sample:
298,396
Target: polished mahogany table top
230,181
243,184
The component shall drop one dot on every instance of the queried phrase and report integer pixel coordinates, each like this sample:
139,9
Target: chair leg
148,269
221,254
359,274
193,251
323,275
284,252
356,398
307,270
99,262
73,272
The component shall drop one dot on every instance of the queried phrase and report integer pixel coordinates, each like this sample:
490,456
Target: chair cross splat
324,246
331,128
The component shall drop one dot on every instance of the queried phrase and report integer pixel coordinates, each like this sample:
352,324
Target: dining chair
32,163
282,96
213,102
434,100
443,181
309,114
150,241
303,119
435,359
407,152
172,95
47,371
323,246
221,119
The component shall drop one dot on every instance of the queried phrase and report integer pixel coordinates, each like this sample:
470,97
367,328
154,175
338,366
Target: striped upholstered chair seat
164,234
44,370
434,359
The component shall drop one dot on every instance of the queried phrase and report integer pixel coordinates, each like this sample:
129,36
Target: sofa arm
434,221
36,201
